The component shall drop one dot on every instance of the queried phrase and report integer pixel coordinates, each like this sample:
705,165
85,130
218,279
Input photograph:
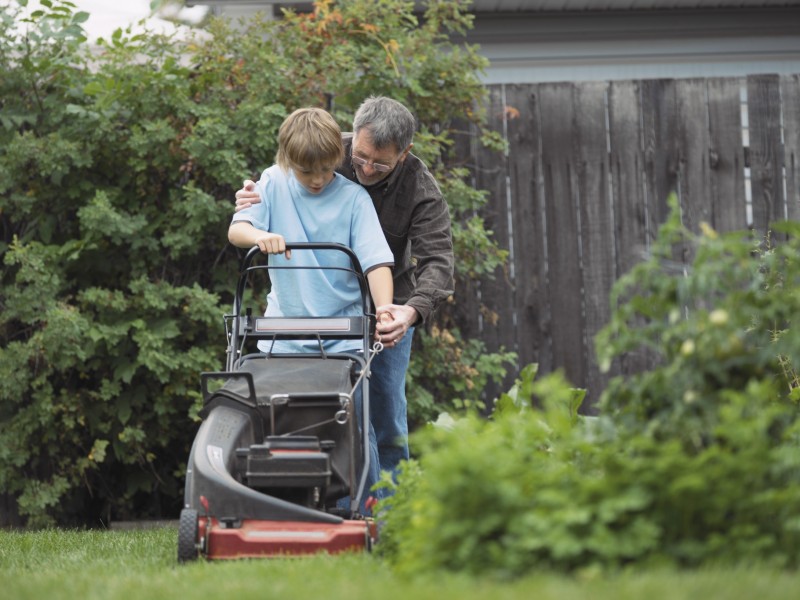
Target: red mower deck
258,539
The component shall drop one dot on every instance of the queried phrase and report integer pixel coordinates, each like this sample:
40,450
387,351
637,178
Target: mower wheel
188,530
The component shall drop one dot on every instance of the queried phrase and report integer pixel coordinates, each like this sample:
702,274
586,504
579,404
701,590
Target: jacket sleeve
431,248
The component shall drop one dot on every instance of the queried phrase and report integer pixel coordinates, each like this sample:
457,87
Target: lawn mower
279,463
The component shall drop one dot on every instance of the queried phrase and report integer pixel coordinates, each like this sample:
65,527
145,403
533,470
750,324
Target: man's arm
432,248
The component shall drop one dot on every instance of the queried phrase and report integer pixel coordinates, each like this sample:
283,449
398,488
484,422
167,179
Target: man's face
376,164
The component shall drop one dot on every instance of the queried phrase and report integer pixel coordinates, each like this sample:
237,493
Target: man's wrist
415,315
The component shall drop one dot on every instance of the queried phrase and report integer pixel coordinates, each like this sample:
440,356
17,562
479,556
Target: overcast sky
107,15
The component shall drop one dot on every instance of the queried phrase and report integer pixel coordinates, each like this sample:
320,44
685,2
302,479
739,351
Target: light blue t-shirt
342,213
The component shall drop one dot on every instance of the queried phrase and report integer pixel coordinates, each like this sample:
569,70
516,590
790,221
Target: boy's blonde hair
309,138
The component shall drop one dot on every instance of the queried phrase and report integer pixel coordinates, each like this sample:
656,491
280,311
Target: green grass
141,564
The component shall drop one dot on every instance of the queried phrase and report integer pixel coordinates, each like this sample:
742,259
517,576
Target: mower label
215,458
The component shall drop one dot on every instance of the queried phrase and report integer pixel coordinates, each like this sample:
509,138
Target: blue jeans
388,430
387,404
374,470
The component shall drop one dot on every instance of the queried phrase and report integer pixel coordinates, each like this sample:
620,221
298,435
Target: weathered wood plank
627,174
530,266
496,293
693,168
766,150
564,282
726,155
790,101
596,224
467,316
659,126
629,197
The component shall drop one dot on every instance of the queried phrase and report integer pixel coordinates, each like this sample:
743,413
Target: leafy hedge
118,164
693,461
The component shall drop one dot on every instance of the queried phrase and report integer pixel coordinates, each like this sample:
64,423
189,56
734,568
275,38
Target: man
416,222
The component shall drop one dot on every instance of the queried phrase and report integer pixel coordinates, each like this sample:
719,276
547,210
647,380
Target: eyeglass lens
377,166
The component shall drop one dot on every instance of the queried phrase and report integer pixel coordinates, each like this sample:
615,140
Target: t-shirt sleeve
366,236
258,214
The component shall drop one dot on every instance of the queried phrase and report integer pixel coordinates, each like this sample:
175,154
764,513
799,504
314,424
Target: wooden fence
582,190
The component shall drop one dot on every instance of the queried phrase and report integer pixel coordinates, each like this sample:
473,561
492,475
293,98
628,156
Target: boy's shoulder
347,184
272,172
272,176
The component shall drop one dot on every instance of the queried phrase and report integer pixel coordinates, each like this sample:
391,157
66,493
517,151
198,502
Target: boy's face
314,179
366,157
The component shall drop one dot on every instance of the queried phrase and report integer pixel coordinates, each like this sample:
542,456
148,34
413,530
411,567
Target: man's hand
393,322
247,196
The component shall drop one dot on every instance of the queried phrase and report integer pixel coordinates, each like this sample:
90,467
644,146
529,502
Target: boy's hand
273,243
247,196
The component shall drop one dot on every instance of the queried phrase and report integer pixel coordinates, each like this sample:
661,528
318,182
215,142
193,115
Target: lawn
141,564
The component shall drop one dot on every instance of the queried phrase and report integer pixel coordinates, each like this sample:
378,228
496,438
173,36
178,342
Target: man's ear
405,152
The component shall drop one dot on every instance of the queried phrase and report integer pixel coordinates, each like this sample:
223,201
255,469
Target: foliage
693,462
118,163
720,325
451,368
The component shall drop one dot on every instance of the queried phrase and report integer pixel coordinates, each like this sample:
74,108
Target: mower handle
357,270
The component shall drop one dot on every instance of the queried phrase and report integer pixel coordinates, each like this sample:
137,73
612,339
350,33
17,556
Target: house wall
531,45
600,46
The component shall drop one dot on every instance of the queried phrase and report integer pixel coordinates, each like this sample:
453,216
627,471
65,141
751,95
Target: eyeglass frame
379,167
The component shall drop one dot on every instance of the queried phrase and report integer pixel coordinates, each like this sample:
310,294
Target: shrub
448,373
695,461
118,164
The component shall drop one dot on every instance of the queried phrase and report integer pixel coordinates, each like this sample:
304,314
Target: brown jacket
416,222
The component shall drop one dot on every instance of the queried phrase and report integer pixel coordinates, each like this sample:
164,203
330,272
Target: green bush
693,462
721,324
448,373
118,164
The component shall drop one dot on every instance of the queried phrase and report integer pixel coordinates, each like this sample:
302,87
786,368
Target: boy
303,199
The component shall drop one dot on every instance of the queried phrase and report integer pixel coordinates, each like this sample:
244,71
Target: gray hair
389,122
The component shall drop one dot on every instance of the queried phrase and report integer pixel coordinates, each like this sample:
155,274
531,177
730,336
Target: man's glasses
379,167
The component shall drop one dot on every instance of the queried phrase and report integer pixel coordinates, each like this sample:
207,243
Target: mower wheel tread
188,529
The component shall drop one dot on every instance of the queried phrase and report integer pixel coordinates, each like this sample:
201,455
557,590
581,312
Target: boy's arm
243,235
381,286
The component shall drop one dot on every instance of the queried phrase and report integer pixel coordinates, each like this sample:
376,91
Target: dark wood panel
629,197
596,223
564,283
790,102
527,211
693,145
766,151
659,127
498,312
726,155
466,315
627,174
